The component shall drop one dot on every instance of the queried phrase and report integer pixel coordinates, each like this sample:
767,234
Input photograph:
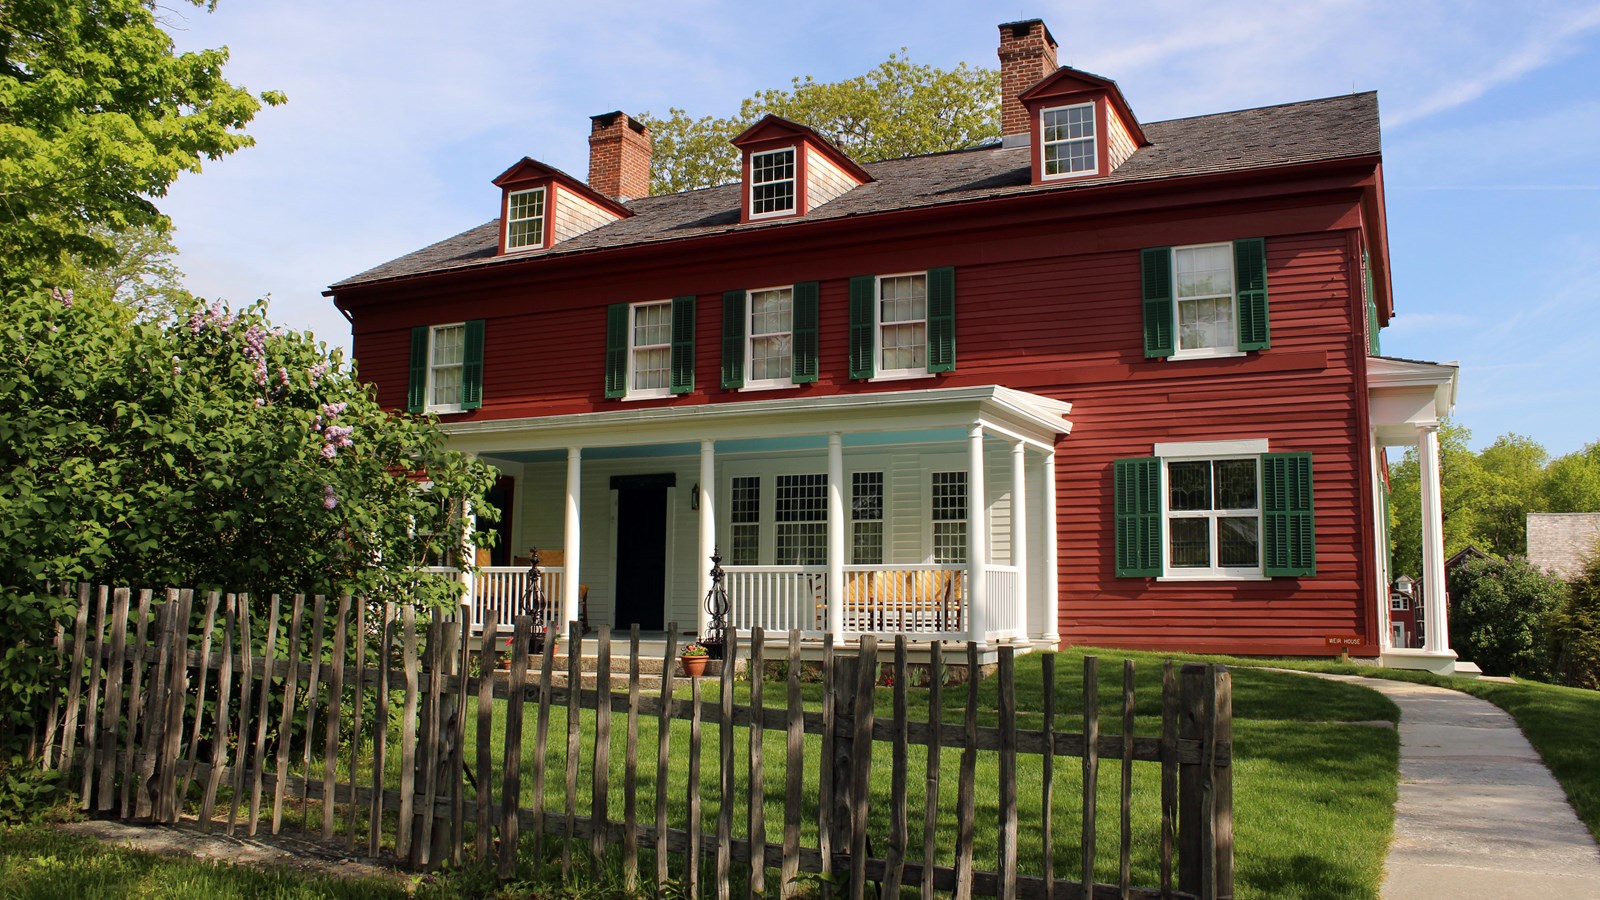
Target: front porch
927,513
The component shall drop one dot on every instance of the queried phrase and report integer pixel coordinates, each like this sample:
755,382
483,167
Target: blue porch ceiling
817,443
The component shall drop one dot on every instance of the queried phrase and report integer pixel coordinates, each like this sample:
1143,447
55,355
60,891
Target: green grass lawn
1562,723
37,861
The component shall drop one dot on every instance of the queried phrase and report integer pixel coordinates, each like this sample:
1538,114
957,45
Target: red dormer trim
1067,87
527,174
777,133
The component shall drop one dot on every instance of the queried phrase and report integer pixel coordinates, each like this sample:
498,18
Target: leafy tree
1510,471
898,109
1572,482
1502,616
211,451
1459,477
98,115
1578,628
142,274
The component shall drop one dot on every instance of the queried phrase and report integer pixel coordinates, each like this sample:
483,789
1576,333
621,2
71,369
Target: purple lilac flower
329,499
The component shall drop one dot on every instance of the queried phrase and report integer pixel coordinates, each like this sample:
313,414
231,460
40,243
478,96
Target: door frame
618,483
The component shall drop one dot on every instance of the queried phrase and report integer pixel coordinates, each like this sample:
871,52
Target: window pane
650,368
866,496
905,346
446,386
1189,485
950,542
776,197
447,345
771,311
1205,323
744,509
1191,543
1238,538
866,543
652,324
1236,484
1204,271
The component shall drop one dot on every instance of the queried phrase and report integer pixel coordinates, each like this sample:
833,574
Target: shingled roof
1309,131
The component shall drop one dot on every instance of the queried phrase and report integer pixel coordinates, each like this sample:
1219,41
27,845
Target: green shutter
1289,545
1138,517
863,346
733,340
1157,276
942,320
417,392
617,350
1250,279
682,376
472,366
806,326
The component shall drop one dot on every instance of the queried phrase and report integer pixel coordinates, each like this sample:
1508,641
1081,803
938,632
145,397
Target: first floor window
1214,516
745,521
650,348
771,332
446,354
866,518
903,323
525,219
801,513
1069,141
949,514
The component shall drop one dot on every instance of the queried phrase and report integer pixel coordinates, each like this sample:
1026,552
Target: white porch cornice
1404,394
1030,417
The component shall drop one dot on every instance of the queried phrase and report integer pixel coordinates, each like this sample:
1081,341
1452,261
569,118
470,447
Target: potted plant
694,659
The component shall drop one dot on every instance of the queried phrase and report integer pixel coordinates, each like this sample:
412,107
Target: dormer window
1069,141
525,219
772,182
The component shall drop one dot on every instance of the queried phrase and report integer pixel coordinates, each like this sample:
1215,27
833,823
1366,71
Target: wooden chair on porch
558,559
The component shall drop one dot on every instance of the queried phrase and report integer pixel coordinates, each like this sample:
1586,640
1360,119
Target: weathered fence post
1222,777
1205,787
846,667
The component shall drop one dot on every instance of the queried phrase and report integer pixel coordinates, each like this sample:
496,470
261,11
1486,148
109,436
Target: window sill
902,375
1212,577
770,386
652,395
1206,354
443,410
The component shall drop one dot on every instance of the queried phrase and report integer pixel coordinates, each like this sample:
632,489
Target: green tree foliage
1572,482
208,451
98,115
142,274
1502,614
1577,628
898,109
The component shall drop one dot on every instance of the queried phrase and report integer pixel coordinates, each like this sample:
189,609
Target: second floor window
903,324
650,349
772,183
1204,301
525,219
445,358
771,331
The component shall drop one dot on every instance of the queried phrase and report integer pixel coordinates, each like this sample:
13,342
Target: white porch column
570,538
835,533
977,536
1380,547
1432,540
1051,553
708,531
1019,531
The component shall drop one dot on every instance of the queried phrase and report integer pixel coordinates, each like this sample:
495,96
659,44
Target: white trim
427,386
1215,571
1208,352
630,392
1094,143
765,384
883,374
543,217
793,179
1247,447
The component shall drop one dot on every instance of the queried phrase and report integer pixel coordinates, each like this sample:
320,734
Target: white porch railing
505,588
927,600
1002,612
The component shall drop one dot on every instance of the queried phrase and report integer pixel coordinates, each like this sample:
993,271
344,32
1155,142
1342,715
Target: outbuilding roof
1253,139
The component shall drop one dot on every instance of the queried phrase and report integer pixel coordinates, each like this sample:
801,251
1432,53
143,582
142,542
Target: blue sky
400,113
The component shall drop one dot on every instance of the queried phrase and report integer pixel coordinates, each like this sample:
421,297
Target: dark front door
641,556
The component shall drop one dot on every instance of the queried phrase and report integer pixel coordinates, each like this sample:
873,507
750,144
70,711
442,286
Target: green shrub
1577,628
1502,617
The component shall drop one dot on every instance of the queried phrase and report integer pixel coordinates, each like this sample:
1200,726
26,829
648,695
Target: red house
1105,382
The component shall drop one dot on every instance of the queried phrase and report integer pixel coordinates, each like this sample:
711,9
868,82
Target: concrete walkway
1478,816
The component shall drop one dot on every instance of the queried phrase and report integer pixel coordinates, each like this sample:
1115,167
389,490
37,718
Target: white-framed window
866,518
744,521
1204,301
772,183
801,515
1211,516
649,349
948,512
525,219
769,342
902,325
1399,603
446,354
1068,143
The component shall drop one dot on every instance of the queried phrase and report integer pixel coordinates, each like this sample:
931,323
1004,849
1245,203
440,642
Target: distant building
1562,543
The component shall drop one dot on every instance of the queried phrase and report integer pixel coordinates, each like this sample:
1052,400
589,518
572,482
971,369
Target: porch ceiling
795,423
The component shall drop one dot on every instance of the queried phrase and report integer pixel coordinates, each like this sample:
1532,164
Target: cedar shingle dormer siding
1080,126
541,206
788,170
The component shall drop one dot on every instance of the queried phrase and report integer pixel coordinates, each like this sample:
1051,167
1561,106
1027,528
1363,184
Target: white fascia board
928,409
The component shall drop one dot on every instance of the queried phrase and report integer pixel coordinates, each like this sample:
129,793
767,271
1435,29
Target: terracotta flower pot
694,666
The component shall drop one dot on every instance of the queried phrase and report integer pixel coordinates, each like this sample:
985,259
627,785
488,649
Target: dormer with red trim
1079,125
541,206
789,170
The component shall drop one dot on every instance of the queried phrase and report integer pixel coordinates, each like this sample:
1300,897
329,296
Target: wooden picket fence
163,718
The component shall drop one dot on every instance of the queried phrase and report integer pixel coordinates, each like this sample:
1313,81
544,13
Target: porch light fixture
694,496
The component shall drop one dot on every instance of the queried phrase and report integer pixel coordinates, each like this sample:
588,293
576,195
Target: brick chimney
1027,54
619,156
